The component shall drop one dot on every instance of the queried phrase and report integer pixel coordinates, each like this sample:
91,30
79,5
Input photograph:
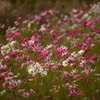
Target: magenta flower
59,50
2,76
9,35
76,93
39,37
86,49
89,80
88,24
44,53
13,86
13,54
80,78
4,85
17,35
98,31
33,32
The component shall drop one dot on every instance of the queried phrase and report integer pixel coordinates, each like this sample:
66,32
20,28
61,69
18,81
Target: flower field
52,56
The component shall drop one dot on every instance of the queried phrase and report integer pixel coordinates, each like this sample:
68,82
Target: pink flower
7,58
32,91
33,32
44,53
30,58
4,85
17,35
59,50
3,66
92,45
76,93
89,6
26,94
86,50
8,78
13,54
19,18
2,26
48,97
89,80
55,80
78,16
54,67
80,78
88,24
9,35
59,67
39,37
94,27
69,53
26,39
23,29
10,74
2,76
88,40
13,86
21,90
16,23
98,31
91,61
67,75
83,63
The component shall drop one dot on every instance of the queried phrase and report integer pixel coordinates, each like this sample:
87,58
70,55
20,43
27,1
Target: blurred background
11,9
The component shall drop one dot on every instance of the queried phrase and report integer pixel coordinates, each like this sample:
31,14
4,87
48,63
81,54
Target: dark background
14,8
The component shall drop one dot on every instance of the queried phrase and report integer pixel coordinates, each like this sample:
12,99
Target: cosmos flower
65,63
26,94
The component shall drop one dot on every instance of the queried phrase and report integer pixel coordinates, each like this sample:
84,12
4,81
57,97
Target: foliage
52,55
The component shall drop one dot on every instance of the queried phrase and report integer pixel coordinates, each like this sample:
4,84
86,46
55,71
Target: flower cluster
52,56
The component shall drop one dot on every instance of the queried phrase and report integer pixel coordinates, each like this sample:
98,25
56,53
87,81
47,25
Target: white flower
74,10
44,73
72,54
35,68
70,58
5,49
31,42
31,71
12,43
49,46
85,16
65,63
42,29
81,52
2,92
